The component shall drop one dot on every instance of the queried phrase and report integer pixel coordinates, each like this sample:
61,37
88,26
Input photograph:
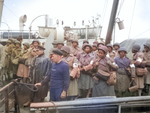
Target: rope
11,11
54,106
27,86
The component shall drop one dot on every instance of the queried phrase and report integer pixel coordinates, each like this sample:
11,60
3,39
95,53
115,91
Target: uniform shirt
85,59
58,76
74,51
122,63
69,58
103,67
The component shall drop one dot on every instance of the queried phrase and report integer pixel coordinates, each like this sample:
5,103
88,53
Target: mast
1,9
111,21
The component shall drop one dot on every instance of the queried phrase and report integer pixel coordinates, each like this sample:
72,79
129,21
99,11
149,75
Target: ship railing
8,99
99,103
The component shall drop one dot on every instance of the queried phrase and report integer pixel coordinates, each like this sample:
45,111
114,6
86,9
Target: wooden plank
2,102
6,101
11,103
41,105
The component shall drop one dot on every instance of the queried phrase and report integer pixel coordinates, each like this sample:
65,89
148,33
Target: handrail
5,87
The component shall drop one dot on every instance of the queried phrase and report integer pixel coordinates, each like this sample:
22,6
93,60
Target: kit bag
134,86
15,61
141,72
112,78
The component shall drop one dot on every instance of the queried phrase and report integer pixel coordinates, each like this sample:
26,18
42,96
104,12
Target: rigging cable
104,11
132,19
142,33
121,4
103,15
4,19
11,11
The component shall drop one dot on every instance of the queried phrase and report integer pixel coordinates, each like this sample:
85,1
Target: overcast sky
77,10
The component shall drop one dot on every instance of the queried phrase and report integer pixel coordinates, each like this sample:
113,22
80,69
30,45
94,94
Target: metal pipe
111,22
90,101
31,26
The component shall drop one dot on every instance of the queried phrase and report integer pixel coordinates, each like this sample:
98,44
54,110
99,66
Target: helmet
104,48
116,44
60,42
54,42
136,47
86,45
147,44
27,44
122,49
109,45
66,49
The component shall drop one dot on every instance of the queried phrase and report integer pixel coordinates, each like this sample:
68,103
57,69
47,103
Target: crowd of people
74,72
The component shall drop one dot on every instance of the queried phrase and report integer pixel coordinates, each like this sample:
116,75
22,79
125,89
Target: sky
77,10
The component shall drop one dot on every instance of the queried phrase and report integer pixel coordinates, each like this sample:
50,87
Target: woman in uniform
111,53
72,92
23,69
16,53
105,66
86,81
123,77
138,60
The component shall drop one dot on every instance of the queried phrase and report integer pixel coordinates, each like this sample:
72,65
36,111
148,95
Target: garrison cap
41,47
136,47
147,44
57,52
